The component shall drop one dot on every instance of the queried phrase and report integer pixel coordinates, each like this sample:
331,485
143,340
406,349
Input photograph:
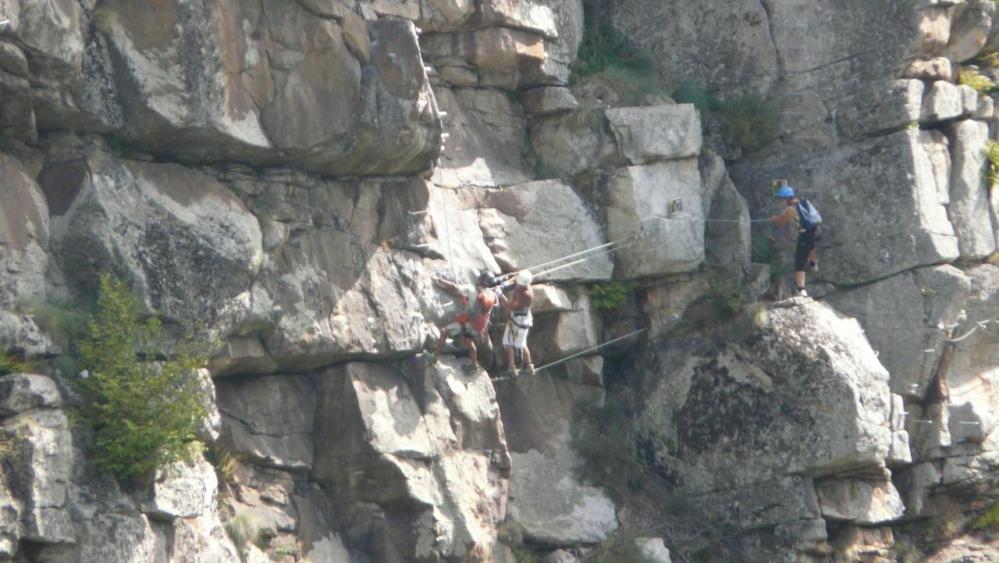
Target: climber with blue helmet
801,212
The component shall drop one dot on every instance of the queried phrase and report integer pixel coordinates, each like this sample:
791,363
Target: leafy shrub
971,77
610,295
143,413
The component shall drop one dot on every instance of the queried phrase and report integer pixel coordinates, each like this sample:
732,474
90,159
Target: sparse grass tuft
243,529
10,365
971,77
749,121
992,156
989,520
725,295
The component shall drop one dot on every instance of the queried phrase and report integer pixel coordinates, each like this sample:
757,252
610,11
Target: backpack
808,216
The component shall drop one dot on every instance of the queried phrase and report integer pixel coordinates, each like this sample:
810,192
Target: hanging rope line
587,351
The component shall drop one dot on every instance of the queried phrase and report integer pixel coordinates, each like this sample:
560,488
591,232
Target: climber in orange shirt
474,318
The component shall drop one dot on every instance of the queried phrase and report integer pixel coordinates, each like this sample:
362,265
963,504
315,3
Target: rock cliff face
289,176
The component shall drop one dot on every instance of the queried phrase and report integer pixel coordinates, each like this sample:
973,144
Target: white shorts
514,336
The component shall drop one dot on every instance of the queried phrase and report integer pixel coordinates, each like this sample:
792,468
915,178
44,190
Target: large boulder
269,419
649,134
41,457
342,278
865,501
273,84
745,409
901,223
24,235
574,142
547,497
185,242
525,225
485,143
691,42
551,505
504,57
907,338
969,200
424,445
659,207
183,489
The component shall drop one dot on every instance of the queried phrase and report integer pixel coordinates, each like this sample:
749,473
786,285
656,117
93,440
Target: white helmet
524,278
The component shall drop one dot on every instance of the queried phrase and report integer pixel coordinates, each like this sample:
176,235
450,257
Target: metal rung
967,422
925,421
420,212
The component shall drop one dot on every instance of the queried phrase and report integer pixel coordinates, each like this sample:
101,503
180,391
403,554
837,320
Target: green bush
610,295
989,520
143,413
65,324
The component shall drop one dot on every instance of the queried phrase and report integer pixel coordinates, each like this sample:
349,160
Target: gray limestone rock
744,411
505,58
24,391
880,108
971,23
660,205
234,81
862,501
942,101
548,100
183,489
41,469
411,443
574,142
653,549
727,234
524,225
485,142
559,335
188,244
907,339
552,506
649,134
969,208
24,235
270,418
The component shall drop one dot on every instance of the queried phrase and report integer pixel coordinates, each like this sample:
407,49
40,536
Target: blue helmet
785,192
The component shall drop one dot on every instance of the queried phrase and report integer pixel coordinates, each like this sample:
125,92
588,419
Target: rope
581,353
447,231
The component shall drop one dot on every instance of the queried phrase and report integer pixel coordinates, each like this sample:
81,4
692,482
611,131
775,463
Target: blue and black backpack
808,216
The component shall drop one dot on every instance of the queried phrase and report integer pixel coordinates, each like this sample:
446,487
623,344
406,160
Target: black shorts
806,243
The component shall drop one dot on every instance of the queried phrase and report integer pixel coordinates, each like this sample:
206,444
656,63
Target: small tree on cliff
143,413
